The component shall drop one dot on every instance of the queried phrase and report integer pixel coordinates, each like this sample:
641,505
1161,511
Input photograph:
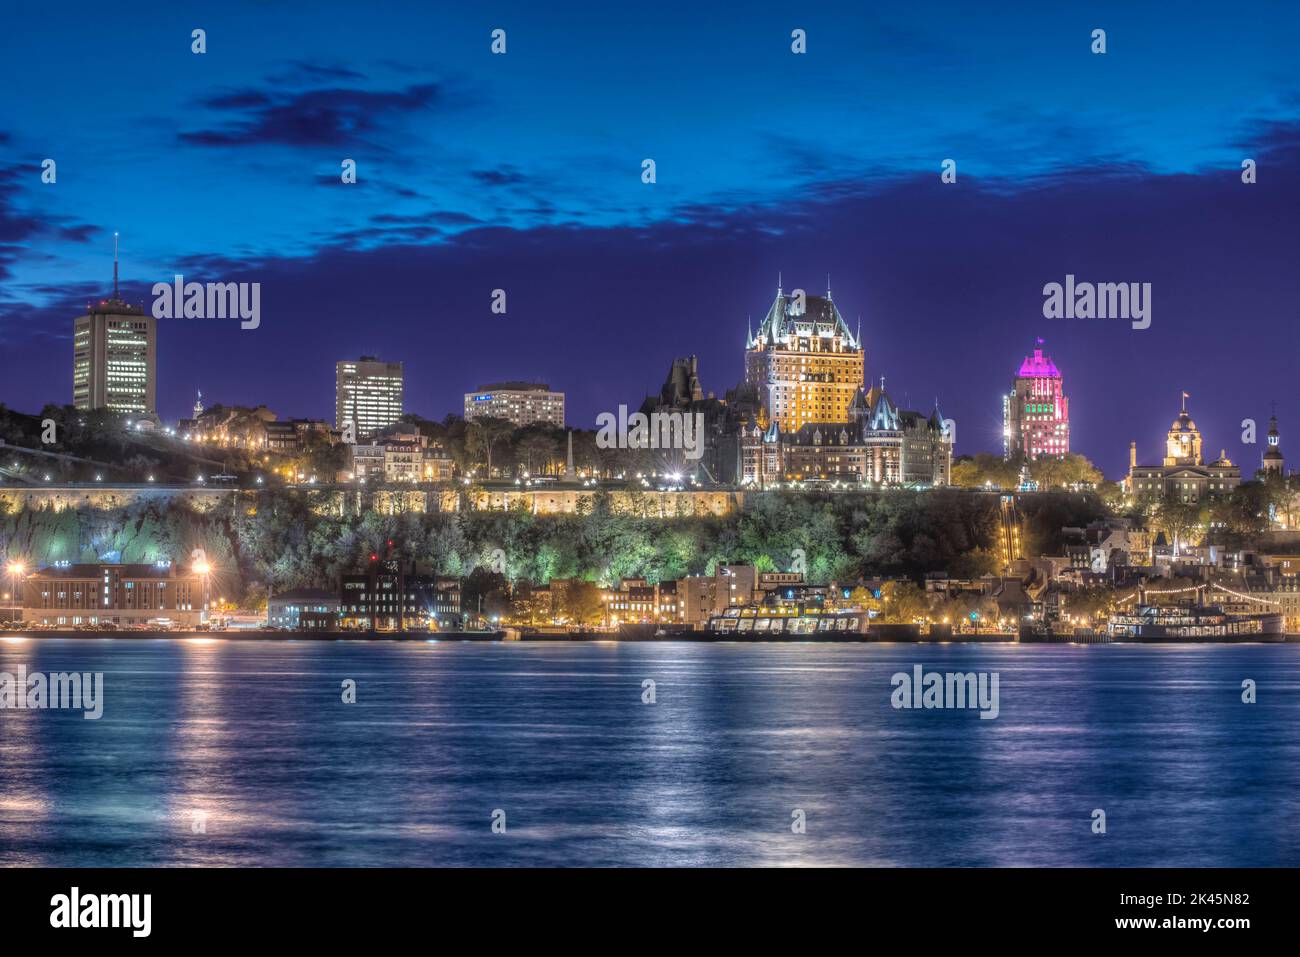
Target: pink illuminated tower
1036,413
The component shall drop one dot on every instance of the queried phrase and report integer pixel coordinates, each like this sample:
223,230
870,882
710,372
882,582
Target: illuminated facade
367,392
520,403
804,362
1183,473
902,447
115,358
1036,412
878,443
103,594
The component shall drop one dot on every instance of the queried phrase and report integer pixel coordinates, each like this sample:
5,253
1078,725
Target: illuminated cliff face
804,361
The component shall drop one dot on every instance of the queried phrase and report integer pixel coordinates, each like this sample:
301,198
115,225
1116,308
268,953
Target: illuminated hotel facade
367,392
1036,412
804,362
520,403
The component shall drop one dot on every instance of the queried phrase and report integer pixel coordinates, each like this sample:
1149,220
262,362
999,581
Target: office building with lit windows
115,358
1036,412
521,403
368,393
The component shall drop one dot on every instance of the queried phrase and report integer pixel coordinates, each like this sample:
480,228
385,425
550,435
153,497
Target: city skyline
247,396
1115,168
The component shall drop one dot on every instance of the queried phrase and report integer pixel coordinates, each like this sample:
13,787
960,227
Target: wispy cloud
334,116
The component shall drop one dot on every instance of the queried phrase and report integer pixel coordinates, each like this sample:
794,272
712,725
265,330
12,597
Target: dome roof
1183,423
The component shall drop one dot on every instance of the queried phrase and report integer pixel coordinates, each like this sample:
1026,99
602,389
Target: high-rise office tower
1036,412
367,392
115,355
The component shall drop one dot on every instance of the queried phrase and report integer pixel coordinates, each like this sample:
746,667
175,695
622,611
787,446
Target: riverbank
637,636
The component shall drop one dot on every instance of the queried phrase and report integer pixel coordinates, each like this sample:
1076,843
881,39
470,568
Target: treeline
290,539
985,468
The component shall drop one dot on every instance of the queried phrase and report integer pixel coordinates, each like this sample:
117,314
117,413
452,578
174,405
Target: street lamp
15,572
201,567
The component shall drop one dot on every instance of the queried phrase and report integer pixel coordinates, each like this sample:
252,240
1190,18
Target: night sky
523,172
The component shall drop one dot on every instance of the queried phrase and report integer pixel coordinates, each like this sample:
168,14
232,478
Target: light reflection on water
229,752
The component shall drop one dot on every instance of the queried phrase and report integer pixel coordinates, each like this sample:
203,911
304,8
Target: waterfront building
301,608
520,403
388,597
93,594
1036,412
368,393
804,361
115,356
669,606
1183,473
635,600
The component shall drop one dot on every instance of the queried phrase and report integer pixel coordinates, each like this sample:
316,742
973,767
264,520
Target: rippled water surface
222,752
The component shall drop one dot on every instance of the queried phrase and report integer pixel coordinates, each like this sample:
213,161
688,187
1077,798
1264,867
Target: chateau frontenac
803,412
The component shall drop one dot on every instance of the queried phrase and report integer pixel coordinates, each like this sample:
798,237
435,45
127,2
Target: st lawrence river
220,752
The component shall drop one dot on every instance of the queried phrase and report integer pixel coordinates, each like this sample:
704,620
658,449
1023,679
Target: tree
536,449
866,599
1238,519
484,435
1090,604
1180,521
1064,471
903,602
582,603
985,469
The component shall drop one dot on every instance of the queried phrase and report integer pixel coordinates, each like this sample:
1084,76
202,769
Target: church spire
778,285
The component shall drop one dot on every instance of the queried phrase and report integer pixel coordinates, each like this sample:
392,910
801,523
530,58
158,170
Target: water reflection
230,752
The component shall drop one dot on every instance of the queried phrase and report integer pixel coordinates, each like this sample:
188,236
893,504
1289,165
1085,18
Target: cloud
19,229
323,117
506,175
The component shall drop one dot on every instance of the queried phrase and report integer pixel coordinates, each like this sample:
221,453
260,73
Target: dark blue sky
522,172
